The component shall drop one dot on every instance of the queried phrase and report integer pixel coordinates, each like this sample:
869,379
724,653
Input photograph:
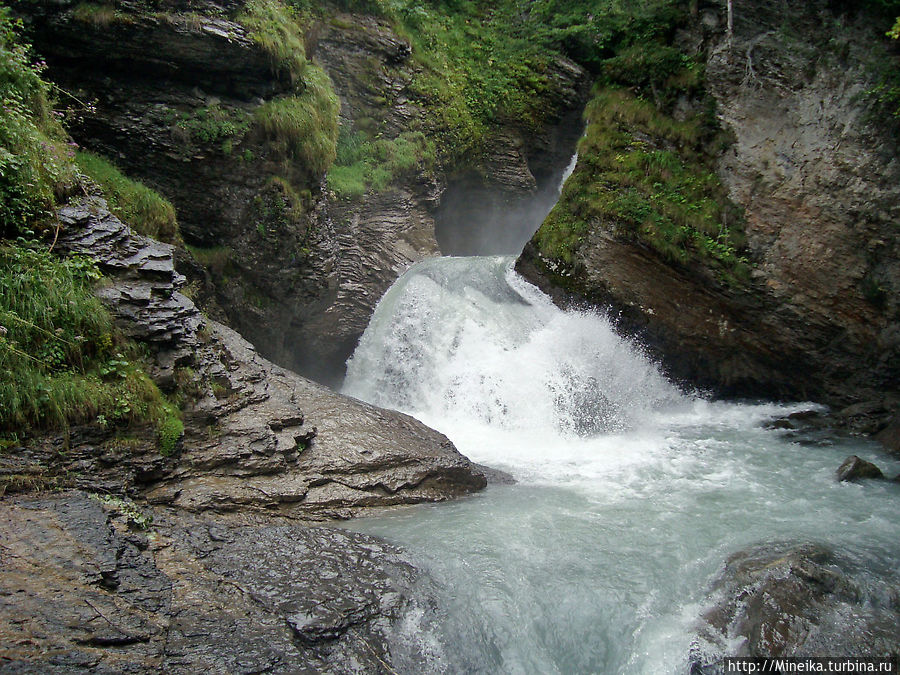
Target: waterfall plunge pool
630,494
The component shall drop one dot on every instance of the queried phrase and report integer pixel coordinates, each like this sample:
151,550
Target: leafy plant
35,160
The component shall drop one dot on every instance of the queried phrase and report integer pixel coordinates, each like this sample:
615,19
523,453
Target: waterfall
468,340
630,494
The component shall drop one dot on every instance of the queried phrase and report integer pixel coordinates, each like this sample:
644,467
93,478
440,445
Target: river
630,494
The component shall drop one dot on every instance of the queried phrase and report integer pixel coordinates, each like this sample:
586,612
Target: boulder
797,599
854,468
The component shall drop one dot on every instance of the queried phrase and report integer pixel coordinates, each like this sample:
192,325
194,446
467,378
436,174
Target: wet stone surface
83,590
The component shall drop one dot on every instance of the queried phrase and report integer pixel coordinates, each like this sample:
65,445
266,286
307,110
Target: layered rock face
257,437
298,274
818,182
100,594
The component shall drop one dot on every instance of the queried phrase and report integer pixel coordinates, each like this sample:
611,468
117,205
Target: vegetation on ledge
645,174
64,361
145,211
304,127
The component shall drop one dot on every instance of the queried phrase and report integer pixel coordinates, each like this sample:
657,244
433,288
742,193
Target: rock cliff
257,437
294,268
817,180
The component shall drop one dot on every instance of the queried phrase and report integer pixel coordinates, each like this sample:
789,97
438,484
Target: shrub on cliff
35,163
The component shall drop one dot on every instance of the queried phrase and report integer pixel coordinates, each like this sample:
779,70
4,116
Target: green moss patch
134,203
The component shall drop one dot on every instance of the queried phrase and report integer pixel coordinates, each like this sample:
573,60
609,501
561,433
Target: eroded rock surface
84,590
257,437
780,599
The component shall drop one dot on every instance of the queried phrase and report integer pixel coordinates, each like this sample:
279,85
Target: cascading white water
630,495
466,340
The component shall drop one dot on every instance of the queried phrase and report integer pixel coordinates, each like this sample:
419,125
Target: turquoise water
630,494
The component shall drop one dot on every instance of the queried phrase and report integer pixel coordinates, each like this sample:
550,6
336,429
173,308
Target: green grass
215,124
63,360
134,203
364,164
303,127
96,15
36,167
275,27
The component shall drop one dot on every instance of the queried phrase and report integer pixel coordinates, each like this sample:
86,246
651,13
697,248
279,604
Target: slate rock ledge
257,436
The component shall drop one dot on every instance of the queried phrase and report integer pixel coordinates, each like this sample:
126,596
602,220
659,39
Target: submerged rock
788,599
854,468
83,590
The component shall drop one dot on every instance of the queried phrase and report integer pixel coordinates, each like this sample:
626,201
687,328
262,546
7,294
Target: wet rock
257,437
818,318
889,437
496,476
144,293
789,599
201,596
280,442
855,468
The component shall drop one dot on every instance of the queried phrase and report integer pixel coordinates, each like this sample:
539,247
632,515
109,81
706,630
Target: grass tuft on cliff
274,27
64,361
145,211
304,127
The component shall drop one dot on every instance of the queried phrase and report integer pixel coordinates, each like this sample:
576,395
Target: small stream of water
630,494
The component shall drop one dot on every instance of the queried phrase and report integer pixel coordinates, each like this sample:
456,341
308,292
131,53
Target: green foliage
304,127
894,32
644,176
365,164
215,124
217,259
275,27
63,361
128,509
278,207
137,205
35,163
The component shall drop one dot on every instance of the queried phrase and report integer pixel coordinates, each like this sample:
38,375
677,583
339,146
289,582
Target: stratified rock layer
257,437
819,183
84,590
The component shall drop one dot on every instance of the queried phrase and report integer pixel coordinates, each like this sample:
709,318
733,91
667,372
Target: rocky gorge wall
816,177
294,267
